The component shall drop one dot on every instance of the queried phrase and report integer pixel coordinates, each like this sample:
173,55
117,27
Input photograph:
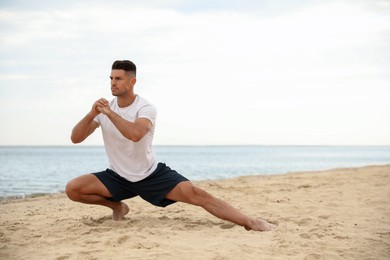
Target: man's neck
125,101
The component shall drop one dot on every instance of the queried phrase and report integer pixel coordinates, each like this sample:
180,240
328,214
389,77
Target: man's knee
198,196
71,190
188,193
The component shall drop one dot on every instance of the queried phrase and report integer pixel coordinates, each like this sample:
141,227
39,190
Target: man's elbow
136,138
75,140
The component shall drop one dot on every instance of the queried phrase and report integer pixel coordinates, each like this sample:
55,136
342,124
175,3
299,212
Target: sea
35,170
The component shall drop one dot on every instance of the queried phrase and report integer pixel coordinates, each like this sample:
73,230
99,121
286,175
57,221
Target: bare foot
259,225
121,212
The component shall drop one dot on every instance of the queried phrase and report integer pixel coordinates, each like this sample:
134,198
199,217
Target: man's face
121,82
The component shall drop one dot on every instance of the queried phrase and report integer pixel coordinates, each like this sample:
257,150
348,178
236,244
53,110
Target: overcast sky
219,72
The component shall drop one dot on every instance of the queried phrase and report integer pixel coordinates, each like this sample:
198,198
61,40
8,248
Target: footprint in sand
226,226
145,245
341,237
89,221
122,239
96,230
312,236
305,236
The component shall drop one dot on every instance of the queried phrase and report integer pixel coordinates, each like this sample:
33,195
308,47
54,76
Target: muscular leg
188,193
88,189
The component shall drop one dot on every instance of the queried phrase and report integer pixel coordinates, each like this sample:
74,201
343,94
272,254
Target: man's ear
133,81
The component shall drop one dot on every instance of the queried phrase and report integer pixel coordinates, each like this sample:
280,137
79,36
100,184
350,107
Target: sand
335,214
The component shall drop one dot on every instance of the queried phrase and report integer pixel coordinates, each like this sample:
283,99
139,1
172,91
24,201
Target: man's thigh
89,184
186,192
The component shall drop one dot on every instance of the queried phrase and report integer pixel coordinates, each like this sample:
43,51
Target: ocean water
35,170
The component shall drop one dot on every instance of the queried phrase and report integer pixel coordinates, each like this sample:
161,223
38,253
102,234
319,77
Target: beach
332,214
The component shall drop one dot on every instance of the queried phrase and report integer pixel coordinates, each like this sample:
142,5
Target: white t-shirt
133,161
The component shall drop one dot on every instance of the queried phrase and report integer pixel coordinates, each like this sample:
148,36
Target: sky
265,72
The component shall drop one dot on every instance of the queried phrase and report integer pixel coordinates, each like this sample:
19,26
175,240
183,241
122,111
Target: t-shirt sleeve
97,119
149,112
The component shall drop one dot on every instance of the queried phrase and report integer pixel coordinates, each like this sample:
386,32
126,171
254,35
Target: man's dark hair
125,65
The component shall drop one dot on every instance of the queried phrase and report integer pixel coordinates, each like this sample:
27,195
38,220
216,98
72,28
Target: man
127,124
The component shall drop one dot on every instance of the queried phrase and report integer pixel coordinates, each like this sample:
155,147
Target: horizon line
195,145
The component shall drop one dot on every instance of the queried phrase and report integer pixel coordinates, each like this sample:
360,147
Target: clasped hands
101,106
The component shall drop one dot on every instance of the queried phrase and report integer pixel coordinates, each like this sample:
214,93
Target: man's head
125,65
122,77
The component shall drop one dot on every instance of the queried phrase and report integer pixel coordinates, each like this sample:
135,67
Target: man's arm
83,129
133,131
87,125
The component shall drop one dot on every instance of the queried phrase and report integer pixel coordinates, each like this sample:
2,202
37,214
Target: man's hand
101,106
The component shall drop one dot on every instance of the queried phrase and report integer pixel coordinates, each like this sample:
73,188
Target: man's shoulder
145,108
142,102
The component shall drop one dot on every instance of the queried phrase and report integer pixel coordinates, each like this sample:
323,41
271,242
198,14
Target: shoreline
333,214
9,199
4,199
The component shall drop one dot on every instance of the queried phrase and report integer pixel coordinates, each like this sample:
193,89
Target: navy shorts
153,188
